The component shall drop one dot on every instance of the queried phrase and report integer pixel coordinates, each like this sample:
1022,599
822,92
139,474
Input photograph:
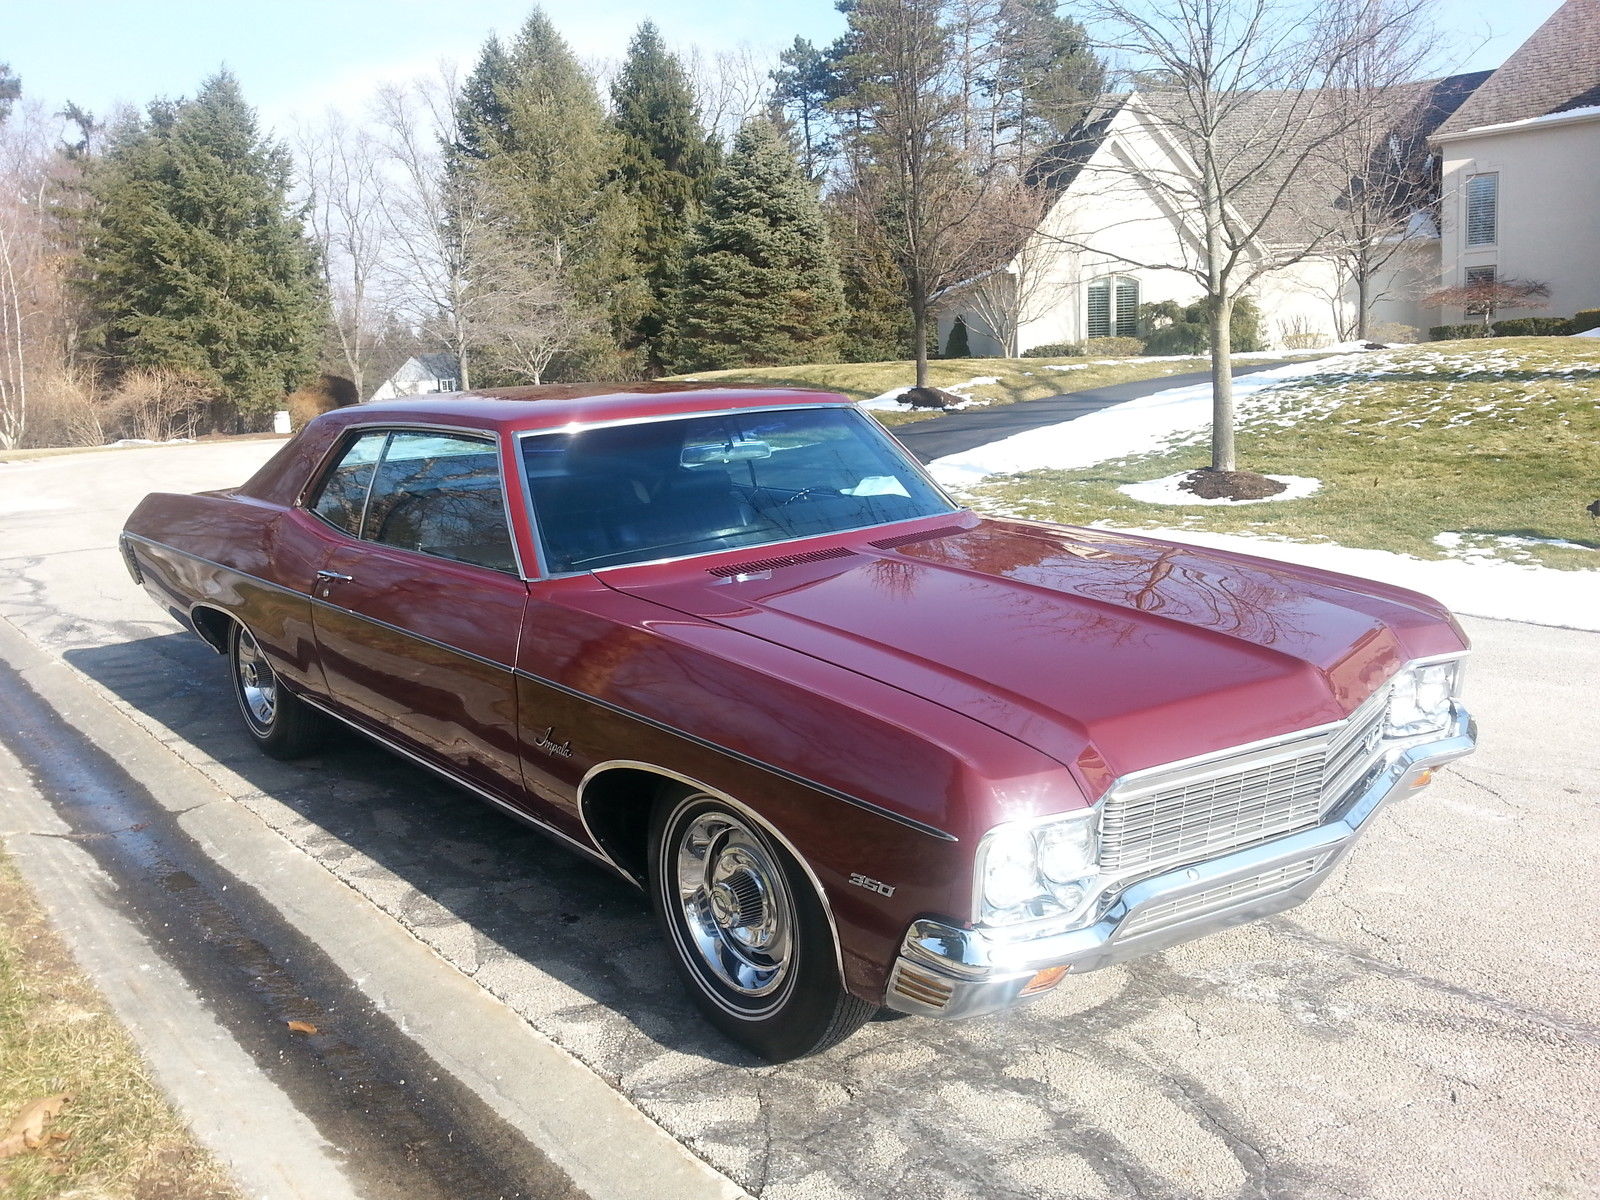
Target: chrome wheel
258,686
736,906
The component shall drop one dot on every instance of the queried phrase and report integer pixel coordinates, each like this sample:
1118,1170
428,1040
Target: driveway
974,427
1427,1025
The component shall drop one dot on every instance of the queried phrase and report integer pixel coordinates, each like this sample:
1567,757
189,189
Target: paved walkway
976,427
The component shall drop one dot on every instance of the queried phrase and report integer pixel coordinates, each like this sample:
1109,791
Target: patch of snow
1167,491
1481,546
1134,427
885,400
1478,588
117,445
1594,333
1069,367
1588,110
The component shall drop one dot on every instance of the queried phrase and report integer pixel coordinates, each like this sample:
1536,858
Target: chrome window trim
737,806
351,432
655,418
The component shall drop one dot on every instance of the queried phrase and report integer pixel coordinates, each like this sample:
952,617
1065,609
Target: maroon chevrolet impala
859,745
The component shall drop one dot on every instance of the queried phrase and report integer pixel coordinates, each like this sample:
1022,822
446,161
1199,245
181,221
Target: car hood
1110,653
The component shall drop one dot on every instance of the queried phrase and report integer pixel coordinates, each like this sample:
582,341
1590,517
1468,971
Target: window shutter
1099,324
1483,210
1127,307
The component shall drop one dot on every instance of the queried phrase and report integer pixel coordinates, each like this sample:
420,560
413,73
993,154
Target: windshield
661,489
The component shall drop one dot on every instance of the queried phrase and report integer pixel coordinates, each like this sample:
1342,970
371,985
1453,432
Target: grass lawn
1016,378
1493,440
57,1035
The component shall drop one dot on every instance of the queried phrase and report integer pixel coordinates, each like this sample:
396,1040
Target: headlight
1043,870
1420,702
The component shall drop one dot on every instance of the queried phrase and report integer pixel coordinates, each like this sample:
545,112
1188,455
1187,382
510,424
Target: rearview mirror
702,454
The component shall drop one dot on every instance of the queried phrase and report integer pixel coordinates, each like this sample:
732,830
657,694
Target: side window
440,494
343,495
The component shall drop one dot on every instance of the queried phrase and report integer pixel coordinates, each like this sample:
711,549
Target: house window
1483,209
1113,307
447,384
1479,275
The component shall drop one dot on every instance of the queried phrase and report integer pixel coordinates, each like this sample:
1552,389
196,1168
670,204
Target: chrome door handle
333,577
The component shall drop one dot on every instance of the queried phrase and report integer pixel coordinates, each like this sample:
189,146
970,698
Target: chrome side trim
824,789
854,801
739,807
466,784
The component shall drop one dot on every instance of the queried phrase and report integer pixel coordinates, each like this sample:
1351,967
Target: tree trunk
1363,292
919,325
1222,452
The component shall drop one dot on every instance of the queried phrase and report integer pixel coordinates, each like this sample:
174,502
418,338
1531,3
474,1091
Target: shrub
1532,327
1586,320
1181,337
956,345
158,404
1113,347
323,394
1055,350
1449,333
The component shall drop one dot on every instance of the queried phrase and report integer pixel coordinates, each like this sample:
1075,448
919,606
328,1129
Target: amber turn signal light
1423,779
1044,980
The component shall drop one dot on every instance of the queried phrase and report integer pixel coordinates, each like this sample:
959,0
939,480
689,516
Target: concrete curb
607,1147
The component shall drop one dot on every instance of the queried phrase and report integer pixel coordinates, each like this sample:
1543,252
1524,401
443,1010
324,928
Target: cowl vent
727,570
922,535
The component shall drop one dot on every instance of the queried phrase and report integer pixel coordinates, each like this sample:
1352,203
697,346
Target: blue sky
296,57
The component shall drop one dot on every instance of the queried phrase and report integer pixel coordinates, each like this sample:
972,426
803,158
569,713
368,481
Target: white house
1520,162
1519,147
421,375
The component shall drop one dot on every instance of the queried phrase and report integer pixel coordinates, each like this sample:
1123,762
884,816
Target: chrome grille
1171,912
1193,812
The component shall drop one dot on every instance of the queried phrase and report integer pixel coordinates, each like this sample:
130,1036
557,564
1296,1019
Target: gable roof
1284,194
1556,69
440,366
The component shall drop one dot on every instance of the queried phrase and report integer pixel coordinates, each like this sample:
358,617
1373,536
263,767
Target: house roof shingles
1556,69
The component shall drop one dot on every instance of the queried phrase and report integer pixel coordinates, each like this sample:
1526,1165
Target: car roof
561,404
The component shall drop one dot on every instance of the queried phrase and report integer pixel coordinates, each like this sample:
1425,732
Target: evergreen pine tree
666,161
195,259
760,285
957,345
877,323
536,142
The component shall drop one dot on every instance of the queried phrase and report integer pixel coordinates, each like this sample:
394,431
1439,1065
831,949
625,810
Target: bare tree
730,86
1253,96
342,177
523,308
1484,297
34,301
1381,160
432,216
912,177
1024,287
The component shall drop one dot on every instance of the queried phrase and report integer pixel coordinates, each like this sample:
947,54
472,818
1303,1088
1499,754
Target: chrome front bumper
944,970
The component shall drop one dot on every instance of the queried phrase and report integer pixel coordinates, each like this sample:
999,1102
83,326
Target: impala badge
546,742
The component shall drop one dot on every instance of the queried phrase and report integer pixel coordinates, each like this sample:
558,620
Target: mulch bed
1230,485
929,397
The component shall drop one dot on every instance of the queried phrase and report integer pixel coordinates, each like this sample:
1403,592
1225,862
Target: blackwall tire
279,722
747,930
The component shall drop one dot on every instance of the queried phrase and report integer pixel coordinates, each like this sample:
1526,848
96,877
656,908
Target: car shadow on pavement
549,933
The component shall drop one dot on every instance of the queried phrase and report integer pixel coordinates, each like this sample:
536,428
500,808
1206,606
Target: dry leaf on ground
302,1027
26,1131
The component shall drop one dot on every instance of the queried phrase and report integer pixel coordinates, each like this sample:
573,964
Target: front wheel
280,723
747,930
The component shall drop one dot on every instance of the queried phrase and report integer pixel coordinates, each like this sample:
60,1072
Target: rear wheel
280,723
747,930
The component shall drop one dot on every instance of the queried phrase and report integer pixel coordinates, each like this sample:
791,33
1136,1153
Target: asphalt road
1427,1025
958,432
